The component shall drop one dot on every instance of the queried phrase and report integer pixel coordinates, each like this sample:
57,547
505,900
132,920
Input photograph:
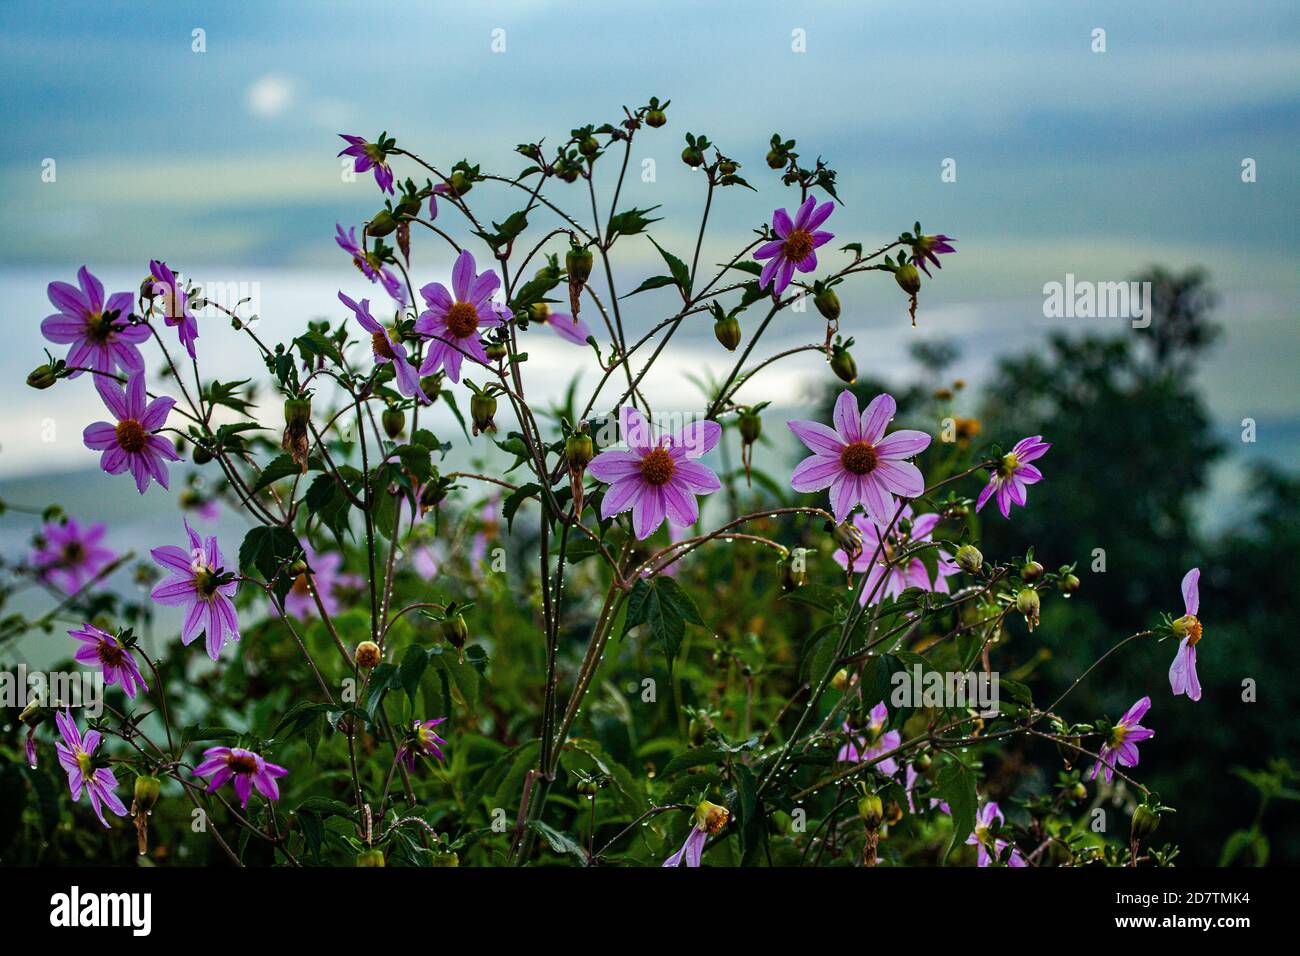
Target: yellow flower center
859,458
658,467
1009,464
798,244
462,320
84,762
1189,626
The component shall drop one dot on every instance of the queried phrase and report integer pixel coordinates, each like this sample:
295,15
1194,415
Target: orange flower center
240,763
301,585
859,458
462,320
131,436
658,467
1189,626
380,345
110,654
798,244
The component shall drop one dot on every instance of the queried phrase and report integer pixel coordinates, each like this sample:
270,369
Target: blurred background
1164,147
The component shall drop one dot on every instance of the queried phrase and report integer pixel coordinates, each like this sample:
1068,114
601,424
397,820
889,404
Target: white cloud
270,95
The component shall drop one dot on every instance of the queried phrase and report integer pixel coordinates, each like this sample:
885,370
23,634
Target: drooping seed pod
297,415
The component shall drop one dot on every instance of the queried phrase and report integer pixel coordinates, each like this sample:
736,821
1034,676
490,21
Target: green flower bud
578,450
200,455
394,420
370,857
1032,571
727,331
496,351
728,167
908,278
456,631
577,263
42,377
828,304
1145,822
460,184
589,147
539,312
693,157
381,224
969,559
750,425
775,159
842,364
793,573
1027,604
482,407
297,411
655,118
146,791
1068,583
872,810
923,762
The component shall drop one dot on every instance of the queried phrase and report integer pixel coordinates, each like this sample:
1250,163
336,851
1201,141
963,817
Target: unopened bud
842,364
1068,583
655,119
969,559
42,377
750,425
578,450
394,422
456,631
908,278
1145,822
1027,603
872,811
482,406
1032,571
727,331
146,791
828,304
382,224
371,857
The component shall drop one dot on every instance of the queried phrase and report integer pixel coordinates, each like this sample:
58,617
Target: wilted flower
1182,673
369,264
200,583
99,648
369,156
982,838
388,349
657,479
883,548
873,742
77,757
709,818
1121,746
134,441
795,244
453,323
99,333
175,304
246,768
422,741
1013,474
564,325
857,461
70,556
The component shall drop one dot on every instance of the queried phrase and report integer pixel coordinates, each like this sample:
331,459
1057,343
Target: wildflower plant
593,640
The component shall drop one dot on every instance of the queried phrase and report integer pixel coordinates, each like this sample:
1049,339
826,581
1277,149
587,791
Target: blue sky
1068,161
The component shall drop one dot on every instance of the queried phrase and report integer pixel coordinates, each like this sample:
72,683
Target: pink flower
134,441
453,323
77,757
68,555
200,583
369,264
982,838
388,350
857,462
657,479
1182,673
99,333
175,304
794,245
566,327
1121,746
108,653
709,818
1013,474
422,741
911,779
368,156
876,741
247,769
883,547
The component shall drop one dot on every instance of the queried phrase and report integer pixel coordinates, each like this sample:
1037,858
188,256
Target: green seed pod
1027,603
828,304
42,377
459,184
482,407
1032,571
775,159
370,857
908,279
793,573
842,364
872,810
200,455
727,331
969,558
923,762
728,167
394,420
1145,822
456,631
1068,584
577,263
578,450
297,411
693,157
655,118
589,147
146,791
750,425
496,351
381,224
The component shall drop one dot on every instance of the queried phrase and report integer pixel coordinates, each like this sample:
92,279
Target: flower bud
539,312
923,763
828,304
445,859
578,450
775,159
1027,604
456,631
368,654
1032,571
589,146
371,857
1078,791
1068,583
1145,822
495,351
908,278
655,119
146,791
200,455
459,185
577,263
693,157
381,224
727,331
297,414
482,406
969,559
728,167
872,811
750,425
841,679
842,364
793,573
42,377
394,420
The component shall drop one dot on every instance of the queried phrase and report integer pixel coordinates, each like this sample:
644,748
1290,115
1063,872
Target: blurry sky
1068,161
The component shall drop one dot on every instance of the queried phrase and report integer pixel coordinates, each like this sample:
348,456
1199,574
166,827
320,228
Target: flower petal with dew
982,838
99,331
388,349
247,770
454,317
857,461
103,650
657,479
199,582
77,757
1014,474
172,301
795,245
70,556
133,443
708,819
1182,672
1121,746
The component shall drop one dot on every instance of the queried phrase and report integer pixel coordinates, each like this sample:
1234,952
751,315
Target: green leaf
411,670
510,507
654,282
681,273
662,605
560,842
956,784
698,757
267,550
629,223
281,467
